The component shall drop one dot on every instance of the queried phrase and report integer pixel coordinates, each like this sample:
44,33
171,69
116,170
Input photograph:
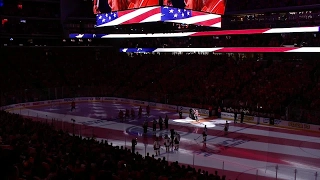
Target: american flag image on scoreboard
142,15
186,16
154,14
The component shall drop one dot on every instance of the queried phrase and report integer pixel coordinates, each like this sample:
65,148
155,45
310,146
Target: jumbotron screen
208,6
107,6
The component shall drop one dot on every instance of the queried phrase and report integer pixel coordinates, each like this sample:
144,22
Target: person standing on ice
132,114
156,146
180,113
196,114
127,115
145,127
204,133
166,121
176,141
121,115
148,110
154,126
226,128
167,143
160,123
73,106
235,117
140,112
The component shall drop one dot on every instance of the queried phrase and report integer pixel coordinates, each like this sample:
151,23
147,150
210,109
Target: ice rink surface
248,151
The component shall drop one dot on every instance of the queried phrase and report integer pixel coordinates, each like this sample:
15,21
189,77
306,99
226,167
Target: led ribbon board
225,50
204,33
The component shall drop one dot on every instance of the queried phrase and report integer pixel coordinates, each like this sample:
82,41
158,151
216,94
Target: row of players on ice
193,114
131,114
172,143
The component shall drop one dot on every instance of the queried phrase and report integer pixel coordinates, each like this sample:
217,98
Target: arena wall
277,122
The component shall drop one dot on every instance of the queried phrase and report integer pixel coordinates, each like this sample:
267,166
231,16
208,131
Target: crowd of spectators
260,40
232,80
31,28
30,19
272,20
234,5
35,9
34,150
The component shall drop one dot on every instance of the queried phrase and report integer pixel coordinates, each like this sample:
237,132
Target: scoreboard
196,12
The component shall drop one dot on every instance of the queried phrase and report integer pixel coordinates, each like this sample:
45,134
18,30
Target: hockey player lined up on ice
180,113
140,112
127,114
121,115
176,144
226,128
242,116
148,110
133,115
167,143
235,117
156,146
154,126
145,126
166,121
73,106
160,123
176,141
204,133
172,137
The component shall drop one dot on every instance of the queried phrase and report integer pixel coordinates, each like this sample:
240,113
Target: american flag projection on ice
154,14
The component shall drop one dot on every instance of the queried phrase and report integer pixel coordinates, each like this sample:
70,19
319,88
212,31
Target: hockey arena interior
160,90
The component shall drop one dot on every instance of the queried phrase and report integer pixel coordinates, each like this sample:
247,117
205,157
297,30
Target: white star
175,15
103,20
188,13
171,11
109,18
114,15
107,15
184,10
179,10
100,17
182,14
79,35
